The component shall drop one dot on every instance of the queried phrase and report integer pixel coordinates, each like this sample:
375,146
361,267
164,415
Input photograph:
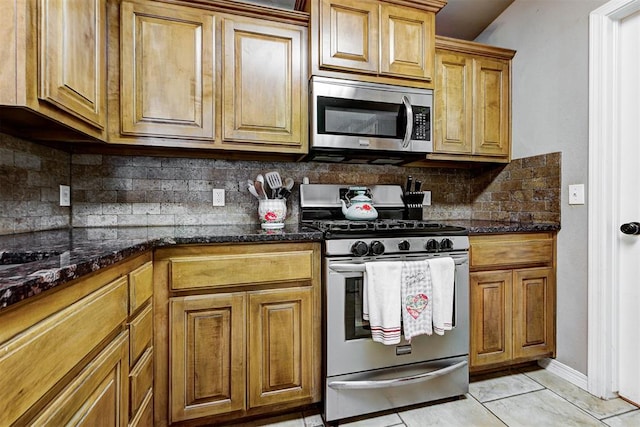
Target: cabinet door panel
492,107
72,47
280,345
453,102
349,35
407,38
207,355
167,71
491,324
263,81
534,312
98,395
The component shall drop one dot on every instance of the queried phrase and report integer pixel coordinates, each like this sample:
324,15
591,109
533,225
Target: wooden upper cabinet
264,85
407,42
374,41
491,107
53,69
167,71
472,102
453,103
349,35
73,58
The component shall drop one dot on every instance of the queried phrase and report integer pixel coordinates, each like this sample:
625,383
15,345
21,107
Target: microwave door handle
409,129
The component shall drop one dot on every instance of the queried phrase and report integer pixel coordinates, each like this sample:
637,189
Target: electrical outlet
218,197
426,200
576,194
65,195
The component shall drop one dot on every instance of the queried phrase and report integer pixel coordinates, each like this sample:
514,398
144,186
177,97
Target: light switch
576,194
65,195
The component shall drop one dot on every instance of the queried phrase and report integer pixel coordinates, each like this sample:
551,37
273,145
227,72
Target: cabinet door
207,368
407,41
349,35
453,127
97,396
72,49
491,324
264,80
491,108
534,312
166,71
280,344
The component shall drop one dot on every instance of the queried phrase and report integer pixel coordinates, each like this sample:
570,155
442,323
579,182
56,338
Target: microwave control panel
421,123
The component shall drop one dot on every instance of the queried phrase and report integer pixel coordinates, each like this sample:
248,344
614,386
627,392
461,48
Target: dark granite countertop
31,263
493,227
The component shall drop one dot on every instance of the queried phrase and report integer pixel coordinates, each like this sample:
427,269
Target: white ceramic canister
272,213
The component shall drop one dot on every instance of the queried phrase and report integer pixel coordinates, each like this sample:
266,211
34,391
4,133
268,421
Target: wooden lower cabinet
97,396
207,355
280,345
512,309
65,357
241,349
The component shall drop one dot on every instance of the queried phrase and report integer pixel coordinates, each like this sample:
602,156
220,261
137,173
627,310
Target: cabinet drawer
140,381
240,269
140,331
140,286
144,417
85,324
96,396
497,251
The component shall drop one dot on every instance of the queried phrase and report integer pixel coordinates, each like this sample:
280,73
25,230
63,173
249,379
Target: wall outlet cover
218,197
426,200
65,195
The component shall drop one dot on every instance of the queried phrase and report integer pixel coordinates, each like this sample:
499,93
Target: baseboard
565,372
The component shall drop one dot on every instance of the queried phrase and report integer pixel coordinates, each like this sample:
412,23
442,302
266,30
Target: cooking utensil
260,190
418,185
252,189
407,187
274,180
286,190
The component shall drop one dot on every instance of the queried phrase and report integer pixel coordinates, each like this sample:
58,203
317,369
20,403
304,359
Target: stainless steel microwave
362,122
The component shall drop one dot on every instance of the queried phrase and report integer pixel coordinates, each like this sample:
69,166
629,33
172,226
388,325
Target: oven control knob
446,245
377,247
360,248
432,245
404,245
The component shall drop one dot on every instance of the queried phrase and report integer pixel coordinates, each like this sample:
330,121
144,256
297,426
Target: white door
614,199
629,210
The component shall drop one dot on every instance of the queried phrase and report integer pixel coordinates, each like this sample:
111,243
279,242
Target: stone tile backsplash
30,176
108,190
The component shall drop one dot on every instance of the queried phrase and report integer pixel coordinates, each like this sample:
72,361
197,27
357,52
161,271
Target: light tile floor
527,397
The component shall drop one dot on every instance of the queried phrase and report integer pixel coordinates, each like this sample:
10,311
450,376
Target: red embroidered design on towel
415,304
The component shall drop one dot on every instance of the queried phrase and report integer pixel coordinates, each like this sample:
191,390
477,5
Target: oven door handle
395,382
360,268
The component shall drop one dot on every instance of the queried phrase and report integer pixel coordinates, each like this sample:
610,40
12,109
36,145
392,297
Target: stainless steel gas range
363,376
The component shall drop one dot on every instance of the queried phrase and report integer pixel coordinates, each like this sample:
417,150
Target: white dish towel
381,300
416,299
442,279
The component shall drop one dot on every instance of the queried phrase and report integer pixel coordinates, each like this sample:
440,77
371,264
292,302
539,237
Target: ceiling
466,19
461,19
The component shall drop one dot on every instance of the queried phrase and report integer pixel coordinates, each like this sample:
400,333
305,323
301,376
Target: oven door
350,348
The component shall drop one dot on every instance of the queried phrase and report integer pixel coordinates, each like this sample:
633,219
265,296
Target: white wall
550,113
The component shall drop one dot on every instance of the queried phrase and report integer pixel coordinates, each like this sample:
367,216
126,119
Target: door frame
603,286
